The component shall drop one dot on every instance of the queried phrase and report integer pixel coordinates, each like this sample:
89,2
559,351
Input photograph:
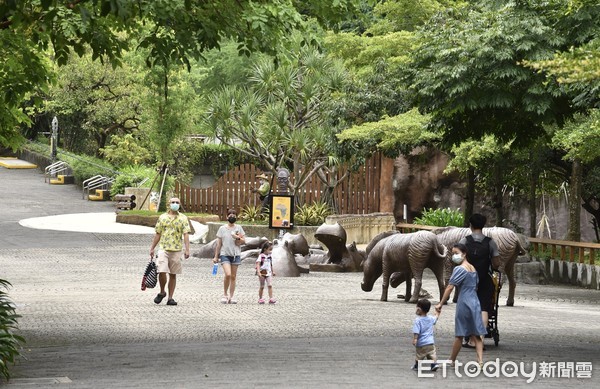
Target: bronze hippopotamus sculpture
284,262
340,257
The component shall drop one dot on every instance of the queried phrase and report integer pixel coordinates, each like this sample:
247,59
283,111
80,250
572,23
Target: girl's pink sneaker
272,301
261,301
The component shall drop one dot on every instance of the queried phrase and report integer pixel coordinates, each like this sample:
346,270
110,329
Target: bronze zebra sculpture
509,247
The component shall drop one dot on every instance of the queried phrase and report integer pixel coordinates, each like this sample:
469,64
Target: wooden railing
407,227
562,247
564,250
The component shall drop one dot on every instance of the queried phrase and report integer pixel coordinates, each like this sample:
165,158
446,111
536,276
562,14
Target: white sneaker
224,300
232,300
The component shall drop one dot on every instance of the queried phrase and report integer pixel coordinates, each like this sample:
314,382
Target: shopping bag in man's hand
150,276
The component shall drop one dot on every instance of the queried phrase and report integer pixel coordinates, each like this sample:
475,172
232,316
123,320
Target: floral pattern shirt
171,230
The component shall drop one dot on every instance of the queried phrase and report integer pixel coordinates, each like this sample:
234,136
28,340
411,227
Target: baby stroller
492,326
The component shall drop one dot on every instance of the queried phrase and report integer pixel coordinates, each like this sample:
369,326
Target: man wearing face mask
229,239
171,228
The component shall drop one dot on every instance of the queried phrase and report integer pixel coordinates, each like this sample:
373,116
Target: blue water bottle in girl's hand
215,269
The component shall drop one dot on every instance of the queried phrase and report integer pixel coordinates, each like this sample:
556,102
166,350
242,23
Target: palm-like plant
280,117
10,343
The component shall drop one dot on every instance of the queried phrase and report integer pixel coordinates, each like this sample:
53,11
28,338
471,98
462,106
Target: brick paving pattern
88,324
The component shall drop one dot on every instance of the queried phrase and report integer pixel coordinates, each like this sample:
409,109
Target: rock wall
419,182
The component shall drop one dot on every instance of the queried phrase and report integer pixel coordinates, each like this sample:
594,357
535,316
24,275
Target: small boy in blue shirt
423,334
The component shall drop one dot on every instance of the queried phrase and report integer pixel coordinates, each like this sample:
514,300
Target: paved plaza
88,324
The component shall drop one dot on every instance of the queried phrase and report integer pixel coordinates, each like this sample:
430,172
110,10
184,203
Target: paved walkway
88,324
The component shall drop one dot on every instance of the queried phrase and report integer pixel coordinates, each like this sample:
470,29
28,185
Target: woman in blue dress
468,311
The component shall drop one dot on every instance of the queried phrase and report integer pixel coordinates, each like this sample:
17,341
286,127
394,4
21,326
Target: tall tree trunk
591,205
533,184
574,230
498,202
470,196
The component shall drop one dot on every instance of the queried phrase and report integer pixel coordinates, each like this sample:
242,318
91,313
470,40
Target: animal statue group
509,248
400,263
284,261
406,256
292,256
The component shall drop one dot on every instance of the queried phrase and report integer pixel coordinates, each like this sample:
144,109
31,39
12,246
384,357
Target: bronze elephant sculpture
509,248
409,254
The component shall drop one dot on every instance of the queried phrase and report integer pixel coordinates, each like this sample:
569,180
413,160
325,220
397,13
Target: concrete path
88,324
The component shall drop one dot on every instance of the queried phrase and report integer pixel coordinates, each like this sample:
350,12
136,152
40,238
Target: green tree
579,139
469,71
94,102
280,117
172,32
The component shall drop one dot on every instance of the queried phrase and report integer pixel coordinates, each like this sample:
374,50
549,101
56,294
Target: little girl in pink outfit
264,270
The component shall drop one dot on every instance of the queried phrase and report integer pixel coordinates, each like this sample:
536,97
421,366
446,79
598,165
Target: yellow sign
281,211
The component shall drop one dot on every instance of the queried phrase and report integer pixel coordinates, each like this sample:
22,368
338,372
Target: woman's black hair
265,246
461,247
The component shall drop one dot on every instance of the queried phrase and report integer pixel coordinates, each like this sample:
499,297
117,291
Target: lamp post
54,139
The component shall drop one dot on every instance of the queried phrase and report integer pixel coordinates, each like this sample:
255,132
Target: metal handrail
100,182
85,183
95,184
55,168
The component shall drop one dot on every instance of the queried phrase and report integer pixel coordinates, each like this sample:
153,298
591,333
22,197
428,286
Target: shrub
134,176
10,344
312,214
84,166
142,177
253,214
441,218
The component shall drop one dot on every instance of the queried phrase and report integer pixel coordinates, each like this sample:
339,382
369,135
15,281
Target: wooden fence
358,193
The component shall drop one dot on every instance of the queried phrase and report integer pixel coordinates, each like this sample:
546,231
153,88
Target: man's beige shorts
426,352
169,262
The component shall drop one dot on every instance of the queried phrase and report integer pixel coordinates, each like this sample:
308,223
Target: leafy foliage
84,166
392,135
94,102
580,137
170,32
312,214
138,176
10,343
252,214
23,69
468,71
126,150
579,64
473,153
279,119
443,217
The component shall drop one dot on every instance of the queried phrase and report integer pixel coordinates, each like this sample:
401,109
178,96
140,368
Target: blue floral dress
468,311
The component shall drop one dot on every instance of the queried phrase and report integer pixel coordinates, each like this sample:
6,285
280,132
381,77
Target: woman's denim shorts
237,260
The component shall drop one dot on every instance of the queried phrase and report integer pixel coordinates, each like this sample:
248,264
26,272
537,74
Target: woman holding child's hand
468,311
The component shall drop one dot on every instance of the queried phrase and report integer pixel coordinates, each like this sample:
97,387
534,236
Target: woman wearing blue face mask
467,320
229,239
